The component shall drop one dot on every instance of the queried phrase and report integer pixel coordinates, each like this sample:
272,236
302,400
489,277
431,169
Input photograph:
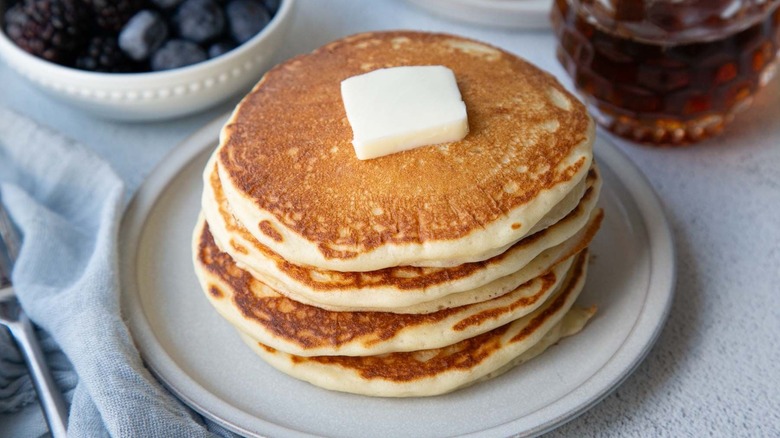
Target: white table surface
715,369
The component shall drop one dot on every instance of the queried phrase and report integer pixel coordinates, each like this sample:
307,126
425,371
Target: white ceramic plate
510,14
202,360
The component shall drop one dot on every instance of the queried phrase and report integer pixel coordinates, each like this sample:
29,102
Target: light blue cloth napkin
68,203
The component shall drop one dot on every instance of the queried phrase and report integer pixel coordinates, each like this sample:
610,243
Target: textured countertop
714,370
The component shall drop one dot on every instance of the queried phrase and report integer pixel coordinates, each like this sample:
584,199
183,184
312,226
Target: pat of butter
400,108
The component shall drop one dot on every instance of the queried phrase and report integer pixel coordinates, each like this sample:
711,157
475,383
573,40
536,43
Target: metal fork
13,317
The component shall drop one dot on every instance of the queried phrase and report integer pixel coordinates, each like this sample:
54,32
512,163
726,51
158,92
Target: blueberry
199,20
271,5
142,35
177,53
246,18
166,4
220,48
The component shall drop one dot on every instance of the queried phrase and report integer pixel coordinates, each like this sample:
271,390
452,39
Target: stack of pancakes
411,274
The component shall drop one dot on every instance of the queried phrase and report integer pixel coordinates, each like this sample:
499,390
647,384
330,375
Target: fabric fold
68,203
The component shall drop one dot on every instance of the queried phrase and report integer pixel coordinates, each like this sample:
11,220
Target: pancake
538,266
411,274
287,325
290,174
396,289
438,371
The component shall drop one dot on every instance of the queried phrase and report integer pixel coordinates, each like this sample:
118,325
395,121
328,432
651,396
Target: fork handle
49,394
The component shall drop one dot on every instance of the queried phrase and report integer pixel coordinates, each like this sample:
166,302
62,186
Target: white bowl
155,95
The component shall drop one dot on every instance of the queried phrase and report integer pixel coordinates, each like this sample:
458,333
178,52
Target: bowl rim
9,49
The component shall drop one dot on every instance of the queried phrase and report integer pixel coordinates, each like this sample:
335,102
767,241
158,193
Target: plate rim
662,257
506,14
631,352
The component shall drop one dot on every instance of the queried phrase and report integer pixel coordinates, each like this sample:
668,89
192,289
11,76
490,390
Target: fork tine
9,249
5,268
52,403
8,236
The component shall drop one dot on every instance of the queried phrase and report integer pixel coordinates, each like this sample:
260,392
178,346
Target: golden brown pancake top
288,148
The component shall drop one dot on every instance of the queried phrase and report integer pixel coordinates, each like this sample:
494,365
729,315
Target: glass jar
667,72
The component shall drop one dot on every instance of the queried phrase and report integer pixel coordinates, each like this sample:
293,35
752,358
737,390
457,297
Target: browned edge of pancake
403,278
309,327
465,355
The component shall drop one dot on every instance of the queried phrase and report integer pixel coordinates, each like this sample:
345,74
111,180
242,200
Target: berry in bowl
142,59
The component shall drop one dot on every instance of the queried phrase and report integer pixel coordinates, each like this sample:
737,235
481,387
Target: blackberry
199,20
51,29
102,54
177,53
246,18
111,15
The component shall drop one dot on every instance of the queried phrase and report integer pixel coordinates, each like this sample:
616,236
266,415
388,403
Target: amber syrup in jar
667,73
